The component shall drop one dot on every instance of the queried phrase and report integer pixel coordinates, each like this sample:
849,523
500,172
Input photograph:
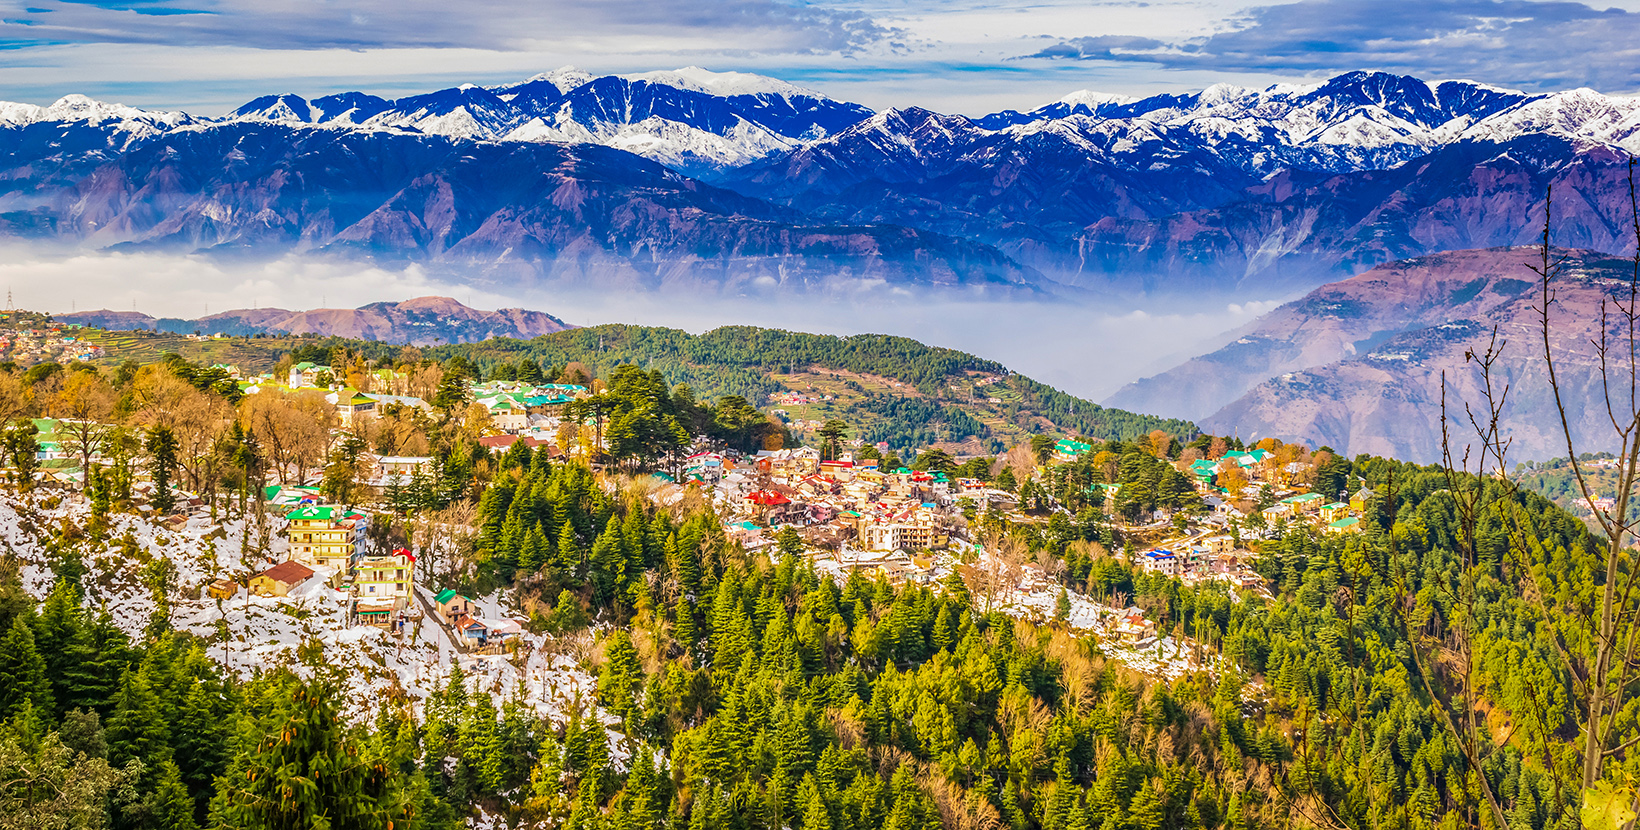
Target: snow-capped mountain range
690,119
1289,186
701,121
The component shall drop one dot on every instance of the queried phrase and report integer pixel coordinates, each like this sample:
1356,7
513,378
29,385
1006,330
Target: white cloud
192,286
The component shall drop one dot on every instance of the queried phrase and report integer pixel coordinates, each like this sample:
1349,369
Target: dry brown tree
1596,638
86,404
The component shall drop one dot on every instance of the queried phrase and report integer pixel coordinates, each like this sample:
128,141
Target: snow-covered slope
704,122
373,665
690,119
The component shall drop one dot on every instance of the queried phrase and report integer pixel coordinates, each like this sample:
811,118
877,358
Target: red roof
289,572
767,498
502,441
404,552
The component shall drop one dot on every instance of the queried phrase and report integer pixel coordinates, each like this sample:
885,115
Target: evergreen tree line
750,692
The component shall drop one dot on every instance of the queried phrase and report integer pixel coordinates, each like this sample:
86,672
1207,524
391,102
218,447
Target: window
399,574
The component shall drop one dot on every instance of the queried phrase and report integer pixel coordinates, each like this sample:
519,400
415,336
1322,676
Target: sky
967,56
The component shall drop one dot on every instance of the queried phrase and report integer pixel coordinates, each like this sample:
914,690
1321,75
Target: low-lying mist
1088,349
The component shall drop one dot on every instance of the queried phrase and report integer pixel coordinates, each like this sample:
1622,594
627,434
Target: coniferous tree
308,769
24,683
161,446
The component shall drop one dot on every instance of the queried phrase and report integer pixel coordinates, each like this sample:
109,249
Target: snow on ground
248,634
1035,599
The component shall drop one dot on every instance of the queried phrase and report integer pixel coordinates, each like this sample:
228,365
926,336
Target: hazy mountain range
422,321
1357,365
739,183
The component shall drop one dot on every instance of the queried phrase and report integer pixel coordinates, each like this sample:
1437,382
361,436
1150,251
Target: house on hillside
1066,450
452,606
1161,561
502,443
1305,503
1204,472
388,578
1348,524
351,402
325,536
278,580
1358,502
306,374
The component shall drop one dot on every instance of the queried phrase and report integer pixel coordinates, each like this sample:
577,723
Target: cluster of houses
1203,559
848,501
1260,470
327,544
59,342
459,615
515,408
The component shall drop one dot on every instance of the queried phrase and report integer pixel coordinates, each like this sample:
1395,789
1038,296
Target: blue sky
969,56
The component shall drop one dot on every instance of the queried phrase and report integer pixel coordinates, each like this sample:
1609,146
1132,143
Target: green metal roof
445,596
312,512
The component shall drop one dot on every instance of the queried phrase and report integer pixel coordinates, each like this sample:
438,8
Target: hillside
891,389
894,389
1357,365
421,321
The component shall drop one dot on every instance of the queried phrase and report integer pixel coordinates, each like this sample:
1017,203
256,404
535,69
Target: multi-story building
325,536
919,532
385,579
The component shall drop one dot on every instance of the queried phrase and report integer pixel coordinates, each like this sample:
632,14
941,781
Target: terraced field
249,354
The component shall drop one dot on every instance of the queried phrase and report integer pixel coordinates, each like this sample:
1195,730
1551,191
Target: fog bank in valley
1087,348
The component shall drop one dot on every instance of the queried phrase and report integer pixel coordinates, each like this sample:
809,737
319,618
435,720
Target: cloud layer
1533,45
757,26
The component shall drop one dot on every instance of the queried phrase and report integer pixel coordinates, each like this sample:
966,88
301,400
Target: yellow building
279,579
324,536
389,577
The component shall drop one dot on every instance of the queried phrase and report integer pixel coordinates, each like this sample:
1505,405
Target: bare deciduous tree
1598,642
86,402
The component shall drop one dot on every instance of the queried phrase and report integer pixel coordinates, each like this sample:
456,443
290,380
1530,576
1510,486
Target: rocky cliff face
422,321
1358,364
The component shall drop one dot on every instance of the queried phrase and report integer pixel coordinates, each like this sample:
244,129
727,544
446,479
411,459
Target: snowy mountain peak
723,83
82,108
565,77
285,107
1218,94
1093,100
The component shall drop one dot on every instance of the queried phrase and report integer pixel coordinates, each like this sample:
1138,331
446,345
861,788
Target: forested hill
908,392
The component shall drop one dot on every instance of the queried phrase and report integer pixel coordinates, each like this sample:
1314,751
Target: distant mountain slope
1335,322
421,321
1357,365
1226,193
891,389
576,214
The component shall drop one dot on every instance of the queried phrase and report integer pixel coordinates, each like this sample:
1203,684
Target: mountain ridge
1360,364
749,183
419,321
